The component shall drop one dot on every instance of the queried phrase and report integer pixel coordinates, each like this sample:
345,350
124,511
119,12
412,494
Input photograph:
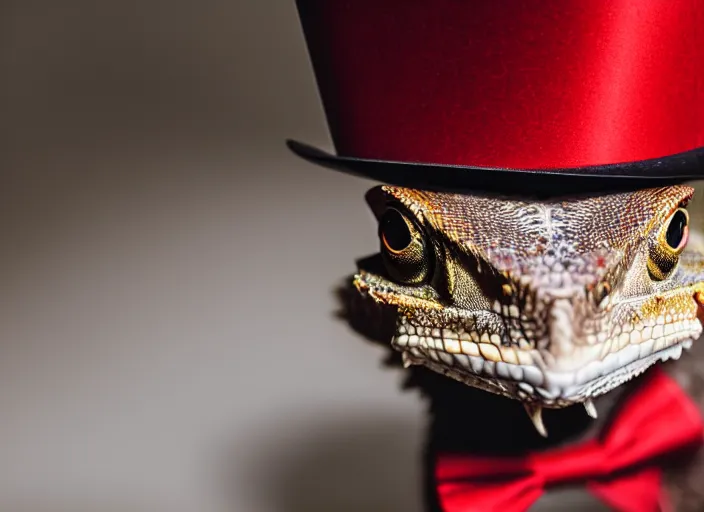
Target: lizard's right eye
403,248
669,244
395,231
677,230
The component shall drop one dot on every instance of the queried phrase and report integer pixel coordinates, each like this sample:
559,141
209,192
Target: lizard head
551,302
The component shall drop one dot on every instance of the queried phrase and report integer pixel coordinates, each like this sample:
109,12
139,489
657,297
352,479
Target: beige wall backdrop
168,330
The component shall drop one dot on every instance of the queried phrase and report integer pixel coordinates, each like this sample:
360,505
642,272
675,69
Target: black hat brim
670,170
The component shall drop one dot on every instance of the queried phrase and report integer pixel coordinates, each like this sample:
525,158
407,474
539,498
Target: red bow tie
619,467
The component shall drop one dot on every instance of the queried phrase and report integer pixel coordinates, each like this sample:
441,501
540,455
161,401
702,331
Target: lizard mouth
534,374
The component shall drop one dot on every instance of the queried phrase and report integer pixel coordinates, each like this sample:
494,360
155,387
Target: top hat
510,95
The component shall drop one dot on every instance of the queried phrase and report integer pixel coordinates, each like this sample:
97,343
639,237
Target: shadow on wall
346,461
350,464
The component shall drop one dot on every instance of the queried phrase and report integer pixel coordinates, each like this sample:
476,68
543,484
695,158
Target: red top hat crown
592,88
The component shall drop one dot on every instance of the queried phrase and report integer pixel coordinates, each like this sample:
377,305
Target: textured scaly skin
550,302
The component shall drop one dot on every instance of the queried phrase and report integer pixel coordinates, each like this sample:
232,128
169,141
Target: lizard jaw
553,358
534,375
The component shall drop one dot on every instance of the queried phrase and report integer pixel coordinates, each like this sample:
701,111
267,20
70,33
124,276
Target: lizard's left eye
677,231
668,246
403,248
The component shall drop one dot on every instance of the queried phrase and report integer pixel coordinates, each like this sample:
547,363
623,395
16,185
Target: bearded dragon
551,302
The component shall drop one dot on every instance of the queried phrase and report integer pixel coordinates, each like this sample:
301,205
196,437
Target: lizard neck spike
408,360
535,413
591,410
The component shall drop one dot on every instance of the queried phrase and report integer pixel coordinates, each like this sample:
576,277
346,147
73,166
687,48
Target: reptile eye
678,230
395,231
402,248
670,242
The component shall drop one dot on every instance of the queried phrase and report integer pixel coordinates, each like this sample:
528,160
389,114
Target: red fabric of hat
541,85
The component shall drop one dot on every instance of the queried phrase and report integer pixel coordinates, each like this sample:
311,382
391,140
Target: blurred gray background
168,330
168,334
